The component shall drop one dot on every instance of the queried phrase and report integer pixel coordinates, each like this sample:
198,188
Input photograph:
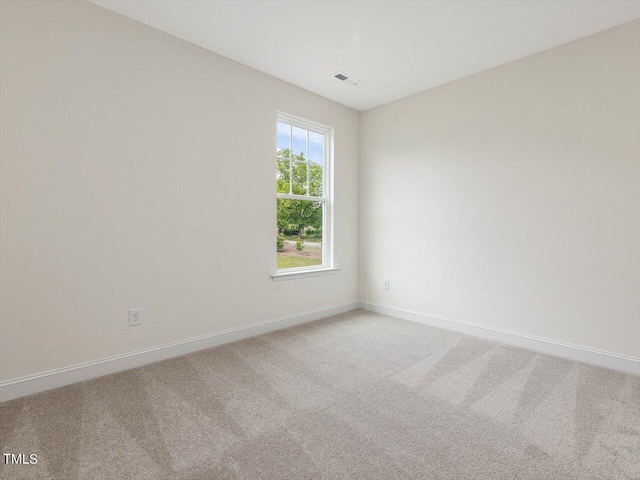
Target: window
304,203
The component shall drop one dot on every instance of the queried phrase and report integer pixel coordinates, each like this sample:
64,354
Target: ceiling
395,48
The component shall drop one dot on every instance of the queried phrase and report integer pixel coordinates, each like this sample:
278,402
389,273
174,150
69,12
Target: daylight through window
303,203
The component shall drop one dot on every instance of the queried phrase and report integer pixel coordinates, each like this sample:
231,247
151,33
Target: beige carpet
357,396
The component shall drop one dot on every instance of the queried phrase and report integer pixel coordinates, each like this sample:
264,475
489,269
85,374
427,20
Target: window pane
315,180
299,179
299,143
284,139
283,176
316,147
299,233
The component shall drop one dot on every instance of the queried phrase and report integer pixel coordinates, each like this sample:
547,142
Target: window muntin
303,200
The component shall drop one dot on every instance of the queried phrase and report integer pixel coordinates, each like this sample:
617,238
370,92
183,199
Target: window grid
327,223
307,162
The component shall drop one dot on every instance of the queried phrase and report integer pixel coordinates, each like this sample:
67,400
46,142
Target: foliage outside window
303,208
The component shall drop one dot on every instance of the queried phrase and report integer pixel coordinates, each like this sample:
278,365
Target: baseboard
609,360
40,382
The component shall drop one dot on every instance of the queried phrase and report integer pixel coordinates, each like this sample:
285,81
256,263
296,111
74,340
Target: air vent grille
347,79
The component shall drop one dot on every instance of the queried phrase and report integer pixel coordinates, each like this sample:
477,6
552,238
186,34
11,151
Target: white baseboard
609,360
40,382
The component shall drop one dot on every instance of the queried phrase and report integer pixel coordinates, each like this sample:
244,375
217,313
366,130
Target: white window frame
327,198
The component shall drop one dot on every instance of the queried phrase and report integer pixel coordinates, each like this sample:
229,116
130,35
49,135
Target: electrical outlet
135,317
386,285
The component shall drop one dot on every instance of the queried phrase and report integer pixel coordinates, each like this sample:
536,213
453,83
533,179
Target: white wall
511,198
138,171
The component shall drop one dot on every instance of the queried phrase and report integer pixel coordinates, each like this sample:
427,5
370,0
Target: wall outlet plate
135,317
386,284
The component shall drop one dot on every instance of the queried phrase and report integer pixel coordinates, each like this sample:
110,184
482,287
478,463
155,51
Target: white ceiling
395,48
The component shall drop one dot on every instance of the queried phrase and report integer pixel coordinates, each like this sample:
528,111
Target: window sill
279,277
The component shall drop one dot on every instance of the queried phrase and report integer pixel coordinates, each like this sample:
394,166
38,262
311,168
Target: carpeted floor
357,396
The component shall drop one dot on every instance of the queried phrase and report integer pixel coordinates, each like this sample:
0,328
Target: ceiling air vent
347,79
